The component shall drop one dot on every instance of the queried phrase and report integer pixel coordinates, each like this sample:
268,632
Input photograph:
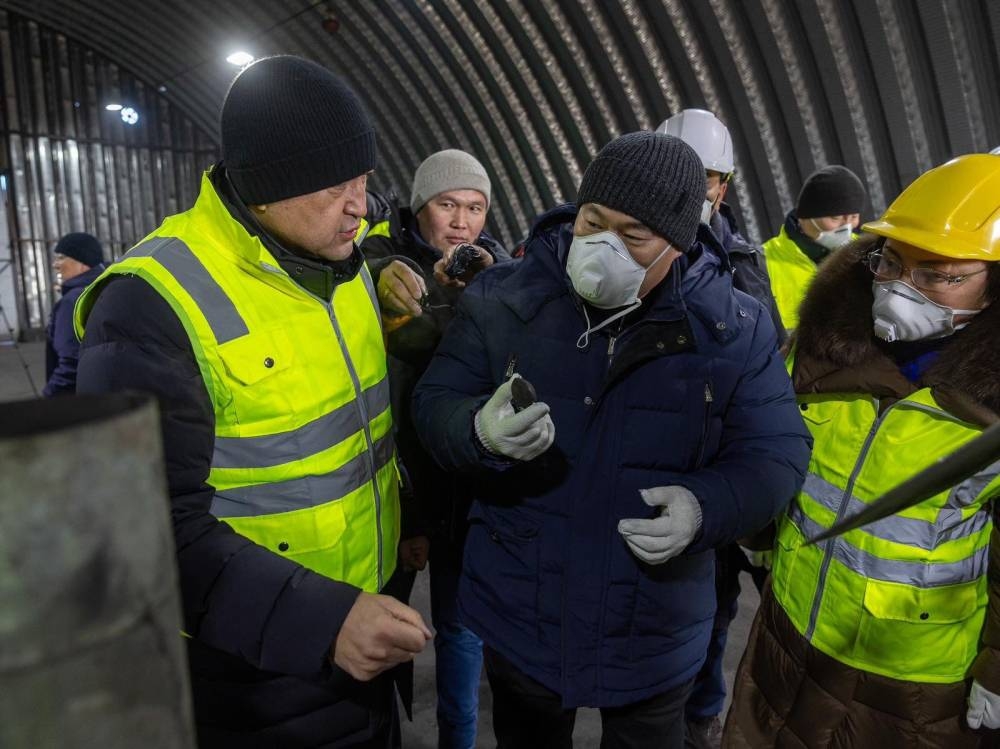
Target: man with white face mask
711,140
826,214
891,630
662,427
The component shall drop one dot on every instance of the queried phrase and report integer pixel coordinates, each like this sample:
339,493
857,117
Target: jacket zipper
709,398
841,510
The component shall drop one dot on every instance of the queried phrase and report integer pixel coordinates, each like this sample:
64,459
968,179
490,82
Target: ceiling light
129,116
240,58
113,107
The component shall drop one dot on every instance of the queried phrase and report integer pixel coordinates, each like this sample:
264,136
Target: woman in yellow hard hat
889,635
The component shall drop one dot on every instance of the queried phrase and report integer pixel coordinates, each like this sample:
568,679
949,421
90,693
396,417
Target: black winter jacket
747,263
62,350
440,500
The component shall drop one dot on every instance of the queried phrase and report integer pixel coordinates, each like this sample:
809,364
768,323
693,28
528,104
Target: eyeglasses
887,268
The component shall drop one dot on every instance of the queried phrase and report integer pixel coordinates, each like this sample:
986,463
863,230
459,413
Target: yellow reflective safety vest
904,597
791,272
378,229
304,460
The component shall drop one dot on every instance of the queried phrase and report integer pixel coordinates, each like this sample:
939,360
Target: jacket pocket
920,634
310,536
501,562
257,356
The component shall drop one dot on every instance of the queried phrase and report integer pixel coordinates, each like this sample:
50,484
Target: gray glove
657,540
984,707
521,436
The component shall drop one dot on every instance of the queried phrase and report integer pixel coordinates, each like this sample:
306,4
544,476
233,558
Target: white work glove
657,540
521,436
984,707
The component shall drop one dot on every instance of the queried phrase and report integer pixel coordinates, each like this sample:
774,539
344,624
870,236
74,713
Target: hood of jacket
836,349
540,277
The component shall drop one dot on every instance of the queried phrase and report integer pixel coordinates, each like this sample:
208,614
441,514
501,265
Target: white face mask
833,239
902,313
604,274
707,209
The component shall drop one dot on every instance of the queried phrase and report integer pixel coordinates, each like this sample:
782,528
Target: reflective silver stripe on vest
369,286
921,534
312,438
308,491
918,574
219,311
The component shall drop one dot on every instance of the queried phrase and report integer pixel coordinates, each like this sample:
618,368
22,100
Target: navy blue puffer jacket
691,391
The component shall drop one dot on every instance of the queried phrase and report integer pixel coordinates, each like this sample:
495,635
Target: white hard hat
706,134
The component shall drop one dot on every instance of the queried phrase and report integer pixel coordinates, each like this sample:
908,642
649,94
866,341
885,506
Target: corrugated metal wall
74,166
535,87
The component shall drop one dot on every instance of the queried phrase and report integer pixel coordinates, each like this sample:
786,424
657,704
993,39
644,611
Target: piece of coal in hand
522,394
461,259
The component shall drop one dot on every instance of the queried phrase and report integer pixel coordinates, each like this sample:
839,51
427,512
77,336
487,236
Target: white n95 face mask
604,274
833,239
902,313
707,208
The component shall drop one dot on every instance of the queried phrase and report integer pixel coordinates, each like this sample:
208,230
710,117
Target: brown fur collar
836,349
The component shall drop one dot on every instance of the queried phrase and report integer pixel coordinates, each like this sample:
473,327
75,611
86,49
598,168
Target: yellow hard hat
952,210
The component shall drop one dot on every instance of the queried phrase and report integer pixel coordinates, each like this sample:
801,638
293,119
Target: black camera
463,257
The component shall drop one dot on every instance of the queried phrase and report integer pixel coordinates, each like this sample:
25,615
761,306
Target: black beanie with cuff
291,127
831,191
655,178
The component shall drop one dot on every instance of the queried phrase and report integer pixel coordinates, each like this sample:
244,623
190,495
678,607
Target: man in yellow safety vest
253,319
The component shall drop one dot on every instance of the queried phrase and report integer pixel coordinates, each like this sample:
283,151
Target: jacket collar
541,277
813,250
836,349
250,240
84,279
723,225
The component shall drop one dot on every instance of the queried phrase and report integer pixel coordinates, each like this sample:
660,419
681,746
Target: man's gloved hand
657,540
400,289
521,436
758,558
984,707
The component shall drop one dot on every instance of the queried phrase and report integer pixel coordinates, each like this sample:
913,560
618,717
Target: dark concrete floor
422,732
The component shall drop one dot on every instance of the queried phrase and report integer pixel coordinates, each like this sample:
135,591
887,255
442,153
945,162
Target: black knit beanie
291,127
831,191
653,177
80,246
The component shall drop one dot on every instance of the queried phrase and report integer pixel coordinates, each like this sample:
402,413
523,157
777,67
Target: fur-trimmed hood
836,349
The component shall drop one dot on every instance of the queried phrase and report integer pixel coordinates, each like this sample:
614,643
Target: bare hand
400,289
483,260
413,553
378,633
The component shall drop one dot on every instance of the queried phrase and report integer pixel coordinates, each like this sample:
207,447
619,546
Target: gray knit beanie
655,178
450,169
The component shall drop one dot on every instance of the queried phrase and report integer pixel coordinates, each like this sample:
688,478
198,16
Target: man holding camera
436,247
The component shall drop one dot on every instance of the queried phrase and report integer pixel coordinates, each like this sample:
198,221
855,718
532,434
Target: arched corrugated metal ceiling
535,87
